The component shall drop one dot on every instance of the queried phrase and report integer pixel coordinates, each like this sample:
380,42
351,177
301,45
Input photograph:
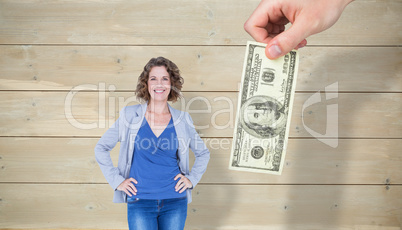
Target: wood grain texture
363,115
204,68
295,207
49,178
224,206
181,22
354,161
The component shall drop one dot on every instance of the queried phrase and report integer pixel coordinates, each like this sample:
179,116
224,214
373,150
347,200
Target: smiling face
163,67
159,84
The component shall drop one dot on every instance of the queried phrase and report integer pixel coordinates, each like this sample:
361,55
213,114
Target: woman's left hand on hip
183,184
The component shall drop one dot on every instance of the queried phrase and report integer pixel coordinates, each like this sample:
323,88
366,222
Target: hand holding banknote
264,109
308,17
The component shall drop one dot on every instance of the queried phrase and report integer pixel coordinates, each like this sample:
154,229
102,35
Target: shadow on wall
330,201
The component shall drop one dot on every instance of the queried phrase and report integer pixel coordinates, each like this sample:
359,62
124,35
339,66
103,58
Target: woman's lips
159,90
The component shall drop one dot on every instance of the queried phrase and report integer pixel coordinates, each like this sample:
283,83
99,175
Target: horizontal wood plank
204,68
224,206
354,161
363,115
178,23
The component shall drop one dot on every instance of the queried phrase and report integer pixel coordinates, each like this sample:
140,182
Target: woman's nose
158,81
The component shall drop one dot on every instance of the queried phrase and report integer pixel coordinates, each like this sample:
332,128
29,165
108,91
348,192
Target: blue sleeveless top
155,163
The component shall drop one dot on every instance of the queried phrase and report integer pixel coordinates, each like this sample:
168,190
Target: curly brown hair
174,74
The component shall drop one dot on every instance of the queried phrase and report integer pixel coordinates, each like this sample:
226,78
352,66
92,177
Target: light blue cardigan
125,130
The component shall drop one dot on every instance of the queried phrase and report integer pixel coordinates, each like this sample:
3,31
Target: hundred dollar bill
263,113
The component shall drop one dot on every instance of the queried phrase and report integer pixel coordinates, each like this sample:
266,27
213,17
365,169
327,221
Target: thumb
294,37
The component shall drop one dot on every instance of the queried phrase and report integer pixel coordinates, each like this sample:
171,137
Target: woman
153,175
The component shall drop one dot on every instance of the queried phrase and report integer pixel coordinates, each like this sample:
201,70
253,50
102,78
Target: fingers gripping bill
264,110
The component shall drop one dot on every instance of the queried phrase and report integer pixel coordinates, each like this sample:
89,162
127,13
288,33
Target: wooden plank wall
49,178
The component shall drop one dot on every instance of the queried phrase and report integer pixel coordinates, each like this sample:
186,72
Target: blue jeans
167,214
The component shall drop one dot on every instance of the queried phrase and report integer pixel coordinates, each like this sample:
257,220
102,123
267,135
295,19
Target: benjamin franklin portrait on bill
262,117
